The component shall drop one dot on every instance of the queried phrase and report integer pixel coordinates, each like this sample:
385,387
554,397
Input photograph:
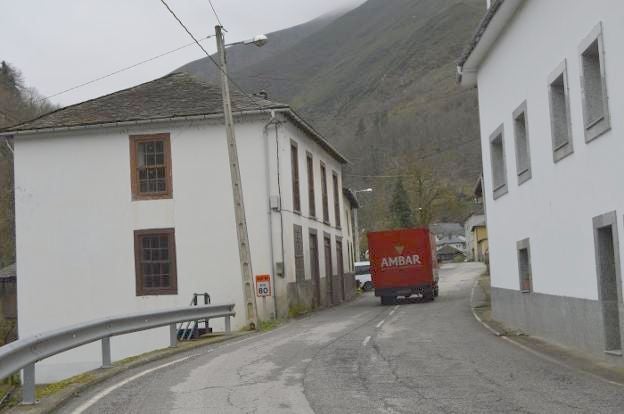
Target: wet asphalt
363,358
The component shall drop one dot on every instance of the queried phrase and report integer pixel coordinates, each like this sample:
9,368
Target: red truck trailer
403,263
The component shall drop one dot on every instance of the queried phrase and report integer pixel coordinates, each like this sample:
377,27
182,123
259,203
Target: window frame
594,128
299,259
325,193
502,189
523,174
295,177
141,290
311,189
560,151
525,245
135,140
337,211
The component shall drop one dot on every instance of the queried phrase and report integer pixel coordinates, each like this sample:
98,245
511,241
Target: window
155,262
311,199
336,199
594,85
497,154
524,266
299,259
362,270
150,159
325,197
523,152
295,177
561,128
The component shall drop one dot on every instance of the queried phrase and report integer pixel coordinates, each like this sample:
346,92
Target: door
314,266
607,267
328,270
340,267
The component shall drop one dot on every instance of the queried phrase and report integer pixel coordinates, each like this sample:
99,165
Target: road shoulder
53,396
571,359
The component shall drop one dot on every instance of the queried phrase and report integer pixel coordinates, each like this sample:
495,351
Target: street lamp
357,225
237,190
258,40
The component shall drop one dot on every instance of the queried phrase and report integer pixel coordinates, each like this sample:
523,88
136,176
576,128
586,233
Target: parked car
363,276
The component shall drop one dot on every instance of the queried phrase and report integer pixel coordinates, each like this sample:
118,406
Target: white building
124,204
550,77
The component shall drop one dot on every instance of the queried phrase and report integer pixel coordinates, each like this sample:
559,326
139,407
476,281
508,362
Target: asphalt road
363,358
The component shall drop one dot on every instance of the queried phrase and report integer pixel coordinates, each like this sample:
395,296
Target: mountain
240,57
379,82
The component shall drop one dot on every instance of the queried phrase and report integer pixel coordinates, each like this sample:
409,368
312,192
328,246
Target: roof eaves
320,139
135,121
489,29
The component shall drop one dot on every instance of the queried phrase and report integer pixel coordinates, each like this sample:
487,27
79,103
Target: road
363,358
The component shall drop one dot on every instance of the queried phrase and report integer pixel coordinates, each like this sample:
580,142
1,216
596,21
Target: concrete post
28,388
228,328
239,206
356,233
106,353
173,336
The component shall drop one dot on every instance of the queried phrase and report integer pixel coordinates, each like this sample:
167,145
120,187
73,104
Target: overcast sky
59,44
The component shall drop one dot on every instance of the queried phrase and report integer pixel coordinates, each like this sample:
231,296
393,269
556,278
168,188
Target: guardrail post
28,388
173,336
106,353
228,328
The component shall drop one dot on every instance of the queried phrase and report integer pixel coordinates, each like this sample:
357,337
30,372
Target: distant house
125,205
450,253
476,238
550,77
449,234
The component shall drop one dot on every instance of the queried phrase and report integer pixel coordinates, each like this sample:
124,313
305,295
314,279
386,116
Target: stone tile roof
175,95
8,272
483,25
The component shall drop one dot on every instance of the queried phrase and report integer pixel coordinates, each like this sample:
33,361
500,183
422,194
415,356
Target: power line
120,70
215,13
251,99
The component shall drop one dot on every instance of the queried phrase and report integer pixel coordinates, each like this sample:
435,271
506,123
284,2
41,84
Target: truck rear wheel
387,300
429,296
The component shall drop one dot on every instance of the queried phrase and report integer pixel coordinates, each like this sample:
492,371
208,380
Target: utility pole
356,231
357,223
237,189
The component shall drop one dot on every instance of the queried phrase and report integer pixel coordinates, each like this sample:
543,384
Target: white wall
75,222
555,208
287,133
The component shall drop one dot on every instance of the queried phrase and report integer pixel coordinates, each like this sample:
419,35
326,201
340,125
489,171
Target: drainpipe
274,121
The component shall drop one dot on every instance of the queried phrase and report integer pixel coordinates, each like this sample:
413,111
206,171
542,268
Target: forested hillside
17,103
379,82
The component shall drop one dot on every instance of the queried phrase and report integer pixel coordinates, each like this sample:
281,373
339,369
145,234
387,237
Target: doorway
608,271
340,267
328,269
314,266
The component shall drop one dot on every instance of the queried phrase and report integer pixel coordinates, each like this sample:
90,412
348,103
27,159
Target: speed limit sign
263,285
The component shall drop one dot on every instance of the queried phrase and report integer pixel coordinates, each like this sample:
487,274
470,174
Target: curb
477,317
532,351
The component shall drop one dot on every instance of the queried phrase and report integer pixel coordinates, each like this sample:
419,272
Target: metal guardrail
24,353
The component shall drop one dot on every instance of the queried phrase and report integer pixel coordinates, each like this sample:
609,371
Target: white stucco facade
555,207
76,218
